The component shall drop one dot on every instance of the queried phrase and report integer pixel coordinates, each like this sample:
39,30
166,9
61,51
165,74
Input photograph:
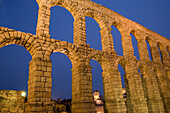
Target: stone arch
117,39
151,87
133,88
41,47
97,71
71,6
58,21
70,50
98,17
162,81
135,44
126,39
93,33
61,76
103,58
97,82
147,38
123,76
44,9
117,23
14,72
148,43
95,56
122,63
105,28
26,40
73,54
160,48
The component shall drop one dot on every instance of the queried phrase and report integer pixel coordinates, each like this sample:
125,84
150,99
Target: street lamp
23,94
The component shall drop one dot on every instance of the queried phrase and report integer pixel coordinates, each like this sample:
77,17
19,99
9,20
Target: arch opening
61,91
14,67
168,50
97,84
122,73
93,36
97,76
60,27
140,72
61,76
135,46
160,52
148,48
117,40
125,86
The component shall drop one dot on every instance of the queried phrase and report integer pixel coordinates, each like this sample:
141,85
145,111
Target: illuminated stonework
149,93
11,101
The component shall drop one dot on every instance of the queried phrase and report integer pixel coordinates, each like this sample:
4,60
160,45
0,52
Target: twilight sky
21,15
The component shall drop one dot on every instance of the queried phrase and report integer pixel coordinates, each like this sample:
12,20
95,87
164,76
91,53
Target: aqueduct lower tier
149,93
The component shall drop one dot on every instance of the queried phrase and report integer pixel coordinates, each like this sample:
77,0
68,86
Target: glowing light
23,94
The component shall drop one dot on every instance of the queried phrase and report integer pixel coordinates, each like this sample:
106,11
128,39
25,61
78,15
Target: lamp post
23,94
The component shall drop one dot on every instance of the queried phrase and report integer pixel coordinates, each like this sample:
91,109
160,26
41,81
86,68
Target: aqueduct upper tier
149,93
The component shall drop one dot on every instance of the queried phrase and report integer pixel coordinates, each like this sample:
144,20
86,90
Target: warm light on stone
147,94
11,101
23,94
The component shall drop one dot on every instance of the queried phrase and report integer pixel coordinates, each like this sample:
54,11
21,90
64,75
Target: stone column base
115,106
83,107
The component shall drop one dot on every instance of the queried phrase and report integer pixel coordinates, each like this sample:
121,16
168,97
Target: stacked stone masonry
149,93
11,101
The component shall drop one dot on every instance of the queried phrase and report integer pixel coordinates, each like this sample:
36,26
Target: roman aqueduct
147,94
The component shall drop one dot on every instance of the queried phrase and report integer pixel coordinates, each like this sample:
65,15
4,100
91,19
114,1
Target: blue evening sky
22,15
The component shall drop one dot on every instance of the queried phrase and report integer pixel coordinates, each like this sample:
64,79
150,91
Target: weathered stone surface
11,101
148,93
